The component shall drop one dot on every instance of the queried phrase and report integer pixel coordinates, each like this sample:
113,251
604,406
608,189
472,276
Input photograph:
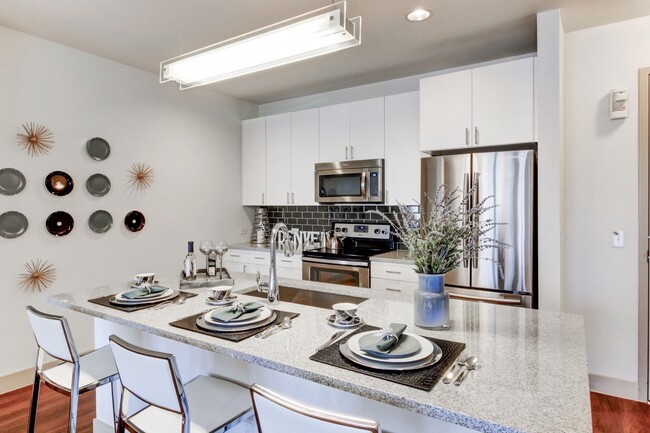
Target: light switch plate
618,239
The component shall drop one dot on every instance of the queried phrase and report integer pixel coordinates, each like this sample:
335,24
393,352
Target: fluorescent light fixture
312,34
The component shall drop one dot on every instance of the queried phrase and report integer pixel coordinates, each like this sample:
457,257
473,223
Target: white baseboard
16,380
616,387
102,427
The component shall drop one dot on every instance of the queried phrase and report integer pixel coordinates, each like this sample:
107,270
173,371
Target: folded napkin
236,311
143,292
388,340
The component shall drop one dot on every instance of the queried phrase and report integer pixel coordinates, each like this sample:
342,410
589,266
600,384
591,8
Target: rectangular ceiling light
312,34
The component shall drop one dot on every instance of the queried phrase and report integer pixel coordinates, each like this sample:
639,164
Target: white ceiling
141,33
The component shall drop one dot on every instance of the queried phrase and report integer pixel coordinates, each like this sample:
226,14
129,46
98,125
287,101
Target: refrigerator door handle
475,199
468,205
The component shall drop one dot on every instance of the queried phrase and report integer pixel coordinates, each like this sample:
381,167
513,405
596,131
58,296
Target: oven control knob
345,229
377,231
384,232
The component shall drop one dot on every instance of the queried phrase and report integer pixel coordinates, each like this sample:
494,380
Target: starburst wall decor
140,175
40,274
37,139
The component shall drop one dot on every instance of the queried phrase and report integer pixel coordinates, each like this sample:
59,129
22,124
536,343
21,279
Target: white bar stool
276,414
76,374
205,404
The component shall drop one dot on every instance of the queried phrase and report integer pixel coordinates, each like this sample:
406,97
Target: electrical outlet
243,231
618,239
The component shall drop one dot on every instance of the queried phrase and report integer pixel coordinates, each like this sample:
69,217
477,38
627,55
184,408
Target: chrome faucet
272,286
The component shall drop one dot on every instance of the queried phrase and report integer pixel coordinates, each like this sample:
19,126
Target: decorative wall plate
13,224
11,181
98,148
59,223
59,183
100,221
98,185
134,221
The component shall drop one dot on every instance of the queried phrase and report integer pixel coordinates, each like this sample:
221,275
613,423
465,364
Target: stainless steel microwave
354,181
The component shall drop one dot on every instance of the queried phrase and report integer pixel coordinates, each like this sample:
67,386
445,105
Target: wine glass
206,247
221,248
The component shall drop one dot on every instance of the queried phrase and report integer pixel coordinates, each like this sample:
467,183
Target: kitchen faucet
272,286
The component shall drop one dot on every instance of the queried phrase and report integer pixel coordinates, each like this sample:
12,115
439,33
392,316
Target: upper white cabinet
254,161
486,106
352,131
402,148
304,154
278,159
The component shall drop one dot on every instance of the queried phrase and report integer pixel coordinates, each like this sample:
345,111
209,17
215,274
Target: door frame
644,233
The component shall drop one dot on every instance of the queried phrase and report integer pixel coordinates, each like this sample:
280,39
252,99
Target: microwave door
453,171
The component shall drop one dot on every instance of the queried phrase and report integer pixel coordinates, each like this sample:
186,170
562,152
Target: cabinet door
367,129
304,154
402,148
399,288
334,133
253,161
446,111
503,103
278,159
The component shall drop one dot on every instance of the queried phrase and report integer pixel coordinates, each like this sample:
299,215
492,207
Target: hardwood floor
609,414
52,411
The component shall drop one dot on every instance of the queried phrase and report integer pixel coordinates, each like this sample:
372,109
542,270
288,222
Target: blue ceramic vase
431,302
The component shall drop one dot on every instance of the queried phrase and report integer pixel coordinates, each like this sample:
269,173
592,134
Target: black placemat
423,379
106,302
189,323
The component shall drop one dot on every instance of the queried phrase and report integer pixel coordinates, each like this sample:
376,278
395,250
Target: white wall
190,138
601,196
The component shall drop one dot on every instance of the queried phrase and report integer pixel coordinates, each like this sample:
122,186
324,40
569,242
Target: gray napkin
236,311
143,292
384,345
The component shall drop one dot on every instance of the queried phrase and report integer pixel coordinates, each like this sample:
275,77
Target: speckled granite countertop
532,374
397,256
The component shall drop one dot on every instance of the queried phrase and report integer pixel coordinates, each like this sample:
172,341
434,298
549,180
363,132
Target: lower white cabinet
393,277
251,261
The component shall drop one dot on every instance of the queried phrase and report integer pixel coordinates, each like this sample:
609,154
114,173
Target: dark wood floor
609,414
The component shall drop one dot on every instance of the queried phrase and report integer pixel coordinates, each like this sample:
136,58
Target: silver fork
453,371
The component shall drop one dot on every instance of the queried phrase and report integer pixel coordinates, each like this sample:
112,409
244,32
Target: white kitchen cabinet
278,159
334,133
352,131
367,129
254,161
251,261
304,154
393,277
402,148
486,106
289,267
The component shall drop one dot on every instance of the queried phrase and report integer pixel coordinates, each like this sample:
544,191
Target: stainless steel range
349,265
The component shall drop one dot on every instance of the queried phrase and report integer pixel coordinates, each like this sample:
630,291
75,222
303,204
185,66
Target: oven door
347,273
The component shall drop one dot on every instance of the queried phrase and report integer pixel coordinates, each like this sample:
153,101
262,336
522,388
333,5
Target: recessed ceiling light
418,15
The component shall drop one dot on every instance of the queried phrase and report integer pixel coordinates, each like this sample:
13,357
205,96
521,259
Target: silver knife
339,338
331,340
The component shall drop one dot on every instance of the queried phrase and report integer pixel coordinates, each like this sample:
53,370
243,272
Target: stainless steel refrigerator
509,176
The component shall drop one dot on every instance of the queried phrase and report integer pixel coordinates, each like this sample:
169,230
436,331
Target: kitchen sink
307,297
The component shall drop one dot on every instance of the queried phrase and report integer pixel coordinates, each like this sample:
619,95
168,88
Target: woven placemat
106,302
423,379
189,323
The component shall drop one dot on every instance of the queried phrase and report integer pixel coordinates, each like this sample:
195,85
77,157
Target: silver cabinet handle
389,289
262,198
286,261
235,255
393,272
346,152
288,201
258,258
244,268
293,198
466,136
476,135
386,198
351,152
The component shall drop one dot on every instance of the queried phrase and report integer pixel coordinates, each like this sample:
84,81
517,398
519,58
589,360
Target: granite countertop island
532,374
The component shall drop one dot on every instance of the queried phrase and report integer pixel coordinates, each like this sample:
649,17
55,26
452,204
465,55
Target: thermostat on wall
618,104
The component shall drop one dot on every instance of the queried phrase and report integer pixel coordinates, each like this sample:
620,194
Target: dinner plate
13,224
167,295
11,181
201,323
98,148
100,221
407,346
134,221
98,185
59,223
357,321
250,318
385,366
59,183
426,350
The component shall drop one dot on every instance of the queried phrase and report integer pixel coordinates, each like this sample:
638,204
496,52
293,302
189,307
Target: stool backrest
276,414
149,375
53,335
